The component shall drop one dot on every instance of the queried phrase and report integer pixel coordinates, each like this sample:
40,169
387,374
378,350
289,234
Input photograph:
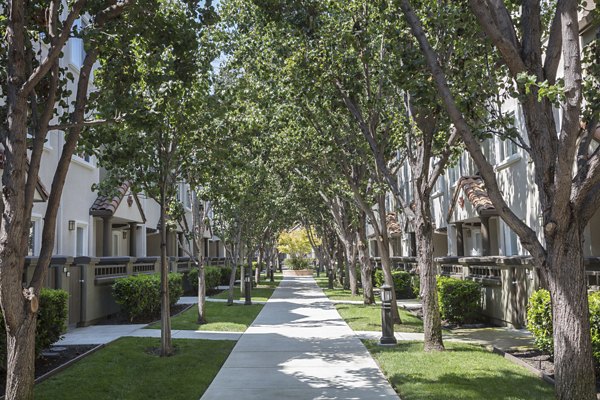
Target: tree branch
527,235
500,29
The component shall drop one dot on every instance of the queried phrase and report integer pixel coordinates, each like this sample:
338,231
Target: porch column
132,239
107,236
460,247
485,236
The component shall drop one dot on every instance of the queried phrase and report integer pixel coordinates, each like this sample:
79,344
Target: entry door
74,295
116,244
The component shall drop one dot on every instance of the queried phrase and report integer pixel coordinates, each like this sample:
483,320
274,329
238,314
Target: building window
33,241
76,43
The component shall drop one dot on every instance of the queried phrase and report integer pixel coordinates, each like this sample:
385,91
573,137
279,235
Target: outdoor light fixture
71,225
387,325
248,285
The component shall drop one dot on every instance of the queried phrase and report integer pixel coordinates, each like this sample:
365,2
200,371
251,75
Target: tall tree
159,87
34,87
532,41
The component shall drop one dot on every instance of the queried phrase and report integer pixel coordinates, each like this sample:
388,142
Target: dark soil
122,319
544,362
537,359
51,359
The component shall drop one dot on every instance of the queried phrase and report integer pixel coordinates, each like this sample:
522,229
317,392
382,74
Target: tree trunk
166,345
20,357
261,253
573,366
386,266
340,265
232,283
201,292
383,243
366,266
432,324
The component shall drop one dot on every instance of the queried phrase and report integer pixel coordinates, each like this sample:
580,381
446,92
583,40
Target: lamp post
387,325
248,285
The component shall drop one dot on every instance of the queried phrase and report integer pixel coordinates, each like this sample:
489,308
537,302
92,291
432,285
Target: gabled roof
41,194
107,206
393,227
475,192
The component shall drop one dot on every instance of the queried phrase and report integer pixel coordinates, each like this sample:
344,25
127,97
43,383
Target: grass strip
125,369
220,317
361,317
461,372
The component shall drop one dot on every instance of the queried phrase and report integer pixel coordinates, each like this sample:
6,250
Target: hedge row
215,276
460,300
51,323
405,284
539,321
139,295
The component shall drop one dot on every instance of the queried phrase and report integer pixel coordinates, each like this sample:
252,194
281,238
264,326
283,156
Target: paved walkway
299,348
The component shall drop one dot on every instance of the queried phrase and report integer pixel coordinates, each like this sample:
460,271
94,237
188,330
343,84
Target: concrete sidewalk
299,348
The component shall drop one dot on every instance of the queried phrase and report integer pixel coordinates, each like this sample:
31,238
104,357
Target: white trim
437,194
85,243
37,220
508,161
80,161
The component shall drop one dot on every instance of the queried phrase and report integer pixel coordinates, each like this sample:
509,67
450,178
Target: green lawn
337,293
220,316
368,318
262,292
461,372
125,370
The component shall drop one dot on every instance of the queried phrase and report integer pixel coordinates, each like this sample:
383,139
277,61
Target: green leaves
554,93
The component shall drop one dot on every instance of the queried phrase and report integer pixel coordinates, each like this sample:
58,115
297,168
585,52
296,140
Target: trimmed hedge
539,321
296,263
51,323
403,283
212,275
460,300
139,295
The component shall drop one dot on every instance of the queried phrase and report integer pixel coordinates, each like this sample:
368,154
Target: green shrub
52,318
212,275
225,275
594,302
256,264
460,301
539,321
296,263
415,284
51,323
139,295
402,283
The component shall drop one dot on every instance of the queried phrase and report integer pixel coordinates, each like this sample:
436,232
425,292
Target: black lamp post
248,285
387,325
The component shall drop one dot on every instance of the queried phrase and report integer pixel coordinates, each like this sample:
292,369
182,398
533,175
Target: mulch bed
51,359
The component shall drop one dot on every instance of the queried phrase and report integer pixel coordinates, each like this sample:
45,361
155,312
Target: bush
402,283
296,263
212,275
225,275
539,321
51,324
139,295
460,301
52,318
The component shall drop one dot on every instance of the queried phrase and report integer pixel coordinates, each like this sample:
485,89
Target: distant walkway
299,348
